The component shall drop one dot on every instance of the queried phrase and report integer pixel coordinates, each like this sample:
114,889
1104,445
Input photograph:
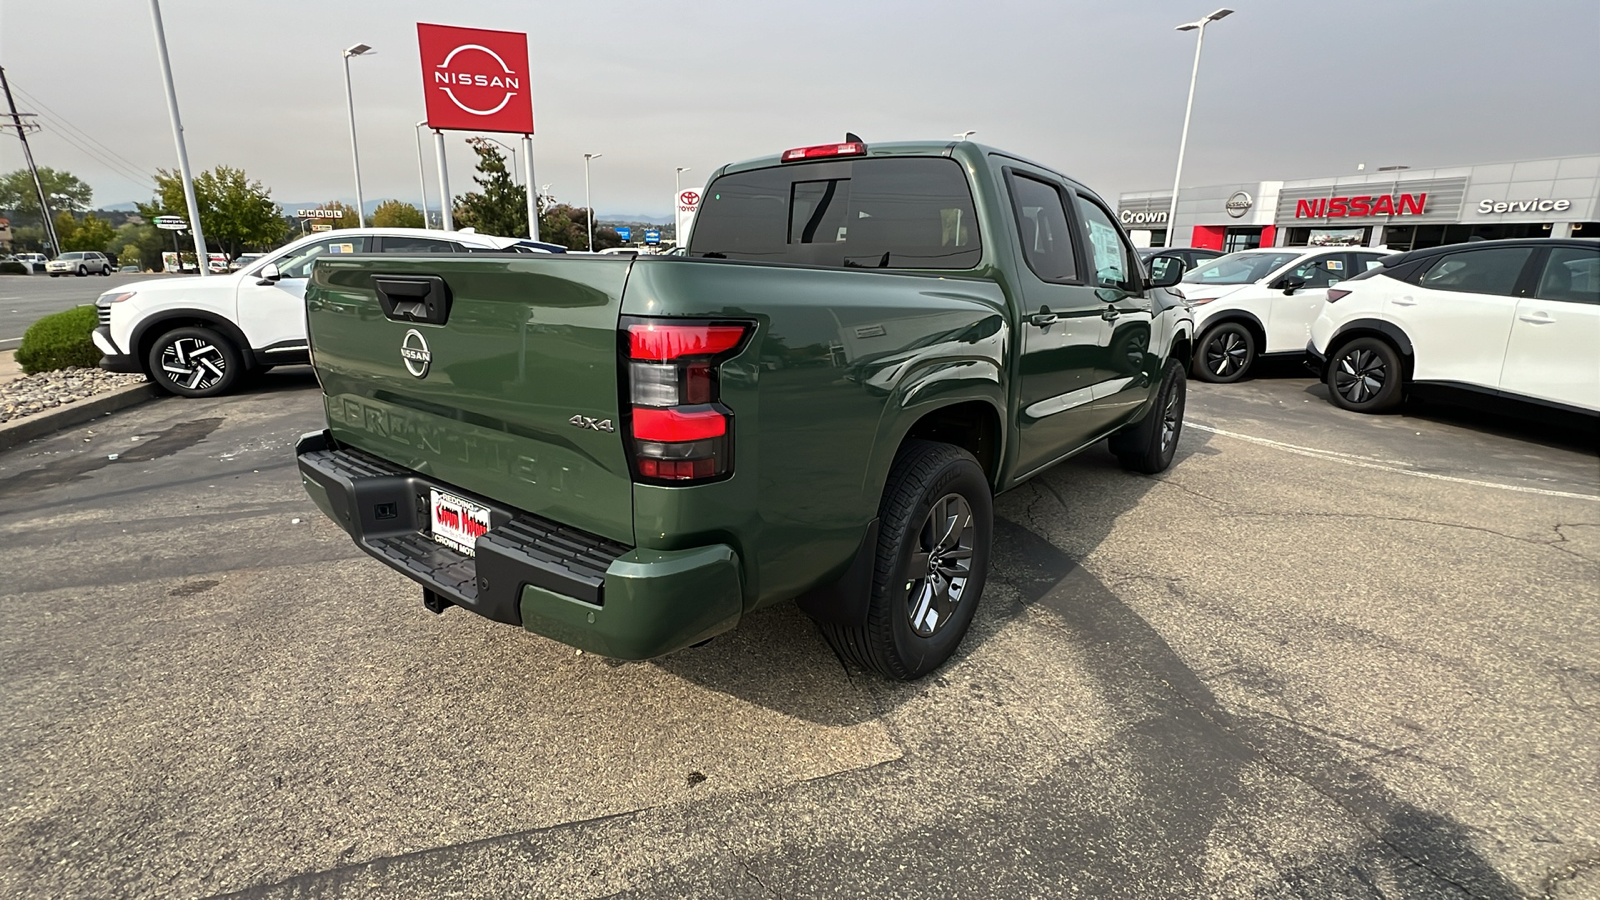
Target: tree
236,213
397,214
569,226
93,233
63,189
502,207
145,243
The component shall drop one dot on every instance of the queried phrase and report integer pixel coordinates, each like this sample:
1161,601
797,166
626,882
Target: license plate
457,523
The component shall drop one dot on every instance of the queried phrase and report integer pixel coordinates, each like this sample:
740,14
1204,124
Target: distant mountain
630,219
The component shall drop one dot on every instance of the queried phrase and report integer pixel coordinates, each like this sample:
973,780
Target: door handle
1110,315
1540,319
1043,317
1405,301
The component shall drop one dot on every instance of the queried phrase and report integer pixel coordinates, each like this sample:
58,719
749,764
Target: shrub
59,341
12,267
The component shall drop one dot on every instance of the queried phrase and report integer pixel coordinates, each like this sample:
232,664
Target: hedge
12,267
60,341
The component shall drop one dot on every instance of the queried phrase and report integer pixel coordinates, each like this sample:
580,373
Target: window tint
1320,271
1042,222
1571,274
409,244
1240,268
1366,262
1478,271
1113,261
297,263
866,213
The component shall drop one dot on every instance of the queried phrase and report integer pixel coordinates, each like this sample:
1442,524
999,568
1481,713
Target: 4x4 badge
592,424
414,353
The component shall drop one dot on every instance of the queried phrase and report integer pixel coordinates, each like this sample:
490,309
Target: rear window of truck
914,213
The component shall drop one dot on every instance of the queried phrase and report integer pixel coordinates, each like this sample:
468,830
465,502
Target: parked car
79,263
197,336
629,452
36,261
1156,259
1261,302
242,260
1515,318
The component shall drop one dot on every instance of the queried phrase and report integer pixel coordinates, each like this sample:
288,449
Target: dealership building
1396,207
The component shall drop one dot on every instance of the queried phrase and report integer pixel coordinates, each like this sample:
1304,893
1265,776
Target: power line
62,121
140,179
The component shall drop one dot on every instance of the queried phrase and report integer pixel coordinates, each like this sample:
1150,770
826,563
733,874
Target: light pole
588,205
513,150
1183,142
349,100
183,154
422,176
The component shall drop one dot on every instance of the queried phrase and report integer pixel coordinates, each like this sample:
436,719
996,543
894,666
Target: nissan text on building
1399,208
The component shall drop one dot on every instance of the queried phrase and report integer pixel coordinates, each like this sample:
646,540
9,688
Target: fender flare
1232,315
1386,328
151,327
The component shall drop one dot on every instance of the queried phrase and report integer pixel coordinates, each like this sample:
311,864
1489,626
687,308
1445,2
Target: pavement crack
764,886
1189,490
1568,872
1552,544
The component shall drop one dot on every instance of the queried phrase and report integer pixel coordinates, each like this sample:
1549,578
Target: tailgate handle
413,298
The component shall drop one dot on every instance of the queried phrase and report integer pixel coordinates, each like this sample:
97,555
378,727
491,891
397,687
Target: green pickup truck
627,454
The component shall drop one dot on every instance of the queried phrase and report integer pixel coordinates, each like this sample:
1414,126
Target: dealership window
1416,237
1330,237
1241,239
1488,271
1586,229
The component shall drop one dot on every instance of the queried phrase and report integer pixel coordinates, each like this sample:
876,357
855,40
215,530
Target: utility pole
200,257
22,135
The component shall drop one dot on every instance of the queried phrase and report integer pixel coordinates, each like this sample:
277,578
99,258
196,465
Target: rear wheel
194,362
1225,353
936,522
1365,376
1149,444
105,271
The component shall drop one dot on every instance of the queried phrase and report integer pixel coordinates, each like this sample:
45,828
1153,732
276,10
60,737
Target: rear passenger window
1042,220
1492,271
1571,274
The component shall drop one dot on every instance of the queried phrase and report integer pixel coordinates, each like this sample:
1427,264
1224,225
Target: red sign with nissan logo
476,80
1381,205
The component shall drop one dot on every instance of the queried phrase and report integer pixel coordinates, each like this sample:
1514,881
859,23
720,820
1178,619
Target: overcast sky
1286,90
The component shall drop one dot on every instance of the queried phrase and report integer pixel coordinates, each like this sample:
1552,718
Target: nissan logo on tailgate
414,353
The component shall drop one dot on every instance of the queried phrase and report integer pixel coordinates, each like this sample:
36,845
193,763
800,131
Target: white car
79,263
1518,319
1256,303
196,336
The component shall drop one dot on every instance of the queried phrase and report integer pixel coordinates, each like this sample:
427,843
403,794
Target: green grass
60,341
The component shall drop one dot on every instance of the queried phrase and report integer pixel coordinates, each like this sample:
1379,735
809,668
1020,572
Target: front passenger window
297,263
1113,266
1324,271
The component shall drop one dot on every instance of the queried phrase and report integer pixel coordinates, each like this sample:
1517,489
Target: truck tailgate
509,392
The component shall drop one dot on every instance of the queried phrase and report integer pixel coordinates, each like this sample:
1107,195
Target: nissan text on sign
475,80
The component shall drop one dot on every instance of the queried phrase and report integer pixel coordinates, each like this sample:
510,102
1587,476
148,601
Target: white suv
1517,319
1256,303
196,336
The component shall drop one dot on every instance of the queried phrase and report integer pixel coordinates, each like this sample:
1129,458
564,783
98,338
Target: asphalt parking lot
25,298
1325,655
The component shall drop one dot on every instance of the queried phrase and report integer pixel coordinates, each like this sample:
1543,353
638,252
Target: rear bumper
577,588
1315,361
113,360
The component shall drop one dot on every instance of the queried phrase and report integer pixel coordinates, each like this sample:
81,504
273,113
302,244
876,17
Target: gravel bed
32,394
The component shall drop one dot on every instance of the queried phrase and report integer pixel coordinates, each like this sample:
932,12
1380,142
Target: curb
40,424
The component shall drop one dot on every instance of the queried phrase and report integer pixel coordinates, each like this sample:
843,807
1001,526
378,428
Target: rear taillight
824,151
1337,294
679,430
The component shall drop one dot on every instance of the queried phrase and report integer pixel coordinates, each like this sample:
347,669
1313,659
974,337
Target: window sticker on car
341,248
1335,265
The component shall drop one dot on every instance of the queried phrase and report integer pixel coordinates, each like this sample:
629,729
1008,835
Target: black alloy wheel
1365,376
1226,353
194,362
1150,444
940,566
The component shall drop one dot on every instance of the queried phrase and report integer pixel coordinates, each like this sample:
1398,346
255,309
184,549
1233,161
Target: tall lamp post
183,153
350,103
513,150
588,204
1183,142
422,176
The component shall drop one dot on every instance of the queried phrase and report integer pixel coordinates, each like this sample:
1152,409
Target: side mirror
1166,271
268,275
1289,285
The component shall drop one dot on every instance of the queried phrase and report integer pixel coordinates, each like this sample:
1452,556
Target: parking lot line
1389,466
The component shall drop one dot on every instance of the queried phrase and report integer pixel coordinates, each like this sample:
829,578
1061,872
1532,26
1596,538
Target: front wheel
83,271
936,522
1149,444
1365,376
194,362
1225,353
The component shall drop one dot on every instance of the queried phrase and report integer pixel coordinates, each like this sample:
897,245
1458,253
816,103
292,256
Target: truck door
1061,326
1126,367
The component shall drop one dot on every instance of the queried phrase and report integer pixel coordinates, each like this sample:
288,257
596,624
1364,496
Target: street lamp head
357,50
593,155
1219,14
683,168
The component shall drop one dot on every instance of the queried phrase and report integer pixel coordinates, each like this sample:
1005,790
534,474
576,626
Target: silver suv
79,263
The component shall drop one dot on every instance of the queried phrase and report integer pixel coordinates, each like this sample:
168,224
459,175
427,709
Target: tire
105,271
55,274
917,614
1225,353
1365,376
1149,444
83,271
194,362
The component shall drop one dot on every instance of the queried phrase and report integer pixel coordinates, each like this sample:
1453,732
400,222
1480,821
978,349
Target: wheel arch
1248,319
1376,328
147,331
